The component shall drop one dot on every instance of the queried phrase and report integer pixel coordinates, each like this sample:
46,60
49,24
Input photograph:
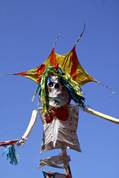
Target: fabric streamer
11,155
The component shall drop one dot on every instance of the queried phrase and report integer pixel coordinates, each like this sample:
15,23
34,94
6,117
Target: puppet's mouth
57,99
61,99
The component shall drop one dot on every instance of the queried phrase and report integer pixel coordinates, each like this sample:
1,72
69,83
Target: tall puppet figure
59,80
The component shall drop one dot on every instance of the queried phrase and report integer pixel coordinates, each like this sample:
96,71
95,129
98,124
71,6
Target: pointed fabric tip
34,74
11,155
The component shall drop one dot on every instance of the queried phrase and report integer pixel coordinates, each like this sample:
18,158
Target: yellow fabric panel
68,63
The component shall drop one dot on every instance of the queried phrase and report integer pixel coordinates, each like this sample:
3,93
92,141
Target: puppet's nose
57,85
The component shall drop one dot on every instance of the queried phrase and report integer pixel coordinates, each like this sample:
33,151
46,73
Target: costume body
60,132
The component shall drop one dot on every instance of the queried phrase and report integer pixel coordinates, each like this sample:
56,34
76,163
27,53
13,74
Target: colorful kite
59,82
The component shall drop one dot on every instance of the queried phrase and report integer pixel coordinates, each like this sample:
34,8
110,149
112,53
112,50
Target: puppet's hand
21,142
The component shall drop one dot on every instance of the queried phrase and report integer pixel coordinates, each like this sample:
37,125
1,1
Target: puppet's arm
99,114
29,127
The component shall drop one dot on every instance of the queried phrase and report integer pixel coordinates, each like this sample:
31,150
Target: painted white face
58,95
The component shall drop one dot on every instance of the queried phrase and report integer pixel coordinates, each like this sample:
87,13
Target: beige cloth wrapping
61,134
55,161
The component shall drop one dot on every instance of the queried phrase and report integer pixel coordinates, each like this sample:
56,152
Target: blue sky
27,31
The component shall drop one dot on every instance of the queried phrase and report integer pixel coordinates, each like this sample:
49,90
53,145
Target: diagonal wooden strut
99,114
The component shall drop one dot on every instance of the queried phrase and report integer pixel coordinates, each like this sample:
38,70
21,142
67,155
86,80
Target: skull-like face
58,95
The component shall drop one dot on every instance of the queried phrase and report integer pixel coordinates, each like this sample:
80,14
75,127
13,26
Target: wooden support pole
66,164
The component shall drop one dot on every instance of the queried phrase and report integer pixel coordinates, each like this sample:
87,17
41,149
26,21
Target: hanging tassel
11,154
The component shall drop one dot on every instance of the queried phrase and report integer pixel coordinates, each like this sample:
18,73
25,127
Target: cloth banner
55,161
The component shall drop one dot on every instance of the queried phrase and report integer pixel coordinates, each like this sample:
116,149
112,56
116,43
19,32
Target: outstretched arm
29,127
99,114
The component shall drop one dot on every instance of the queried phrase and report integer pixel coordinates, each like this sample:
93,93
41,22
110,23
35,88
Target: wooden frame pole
67,168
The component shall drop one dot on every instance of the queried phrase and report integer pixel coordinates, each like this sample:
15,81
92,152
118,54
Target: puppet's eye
50,84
